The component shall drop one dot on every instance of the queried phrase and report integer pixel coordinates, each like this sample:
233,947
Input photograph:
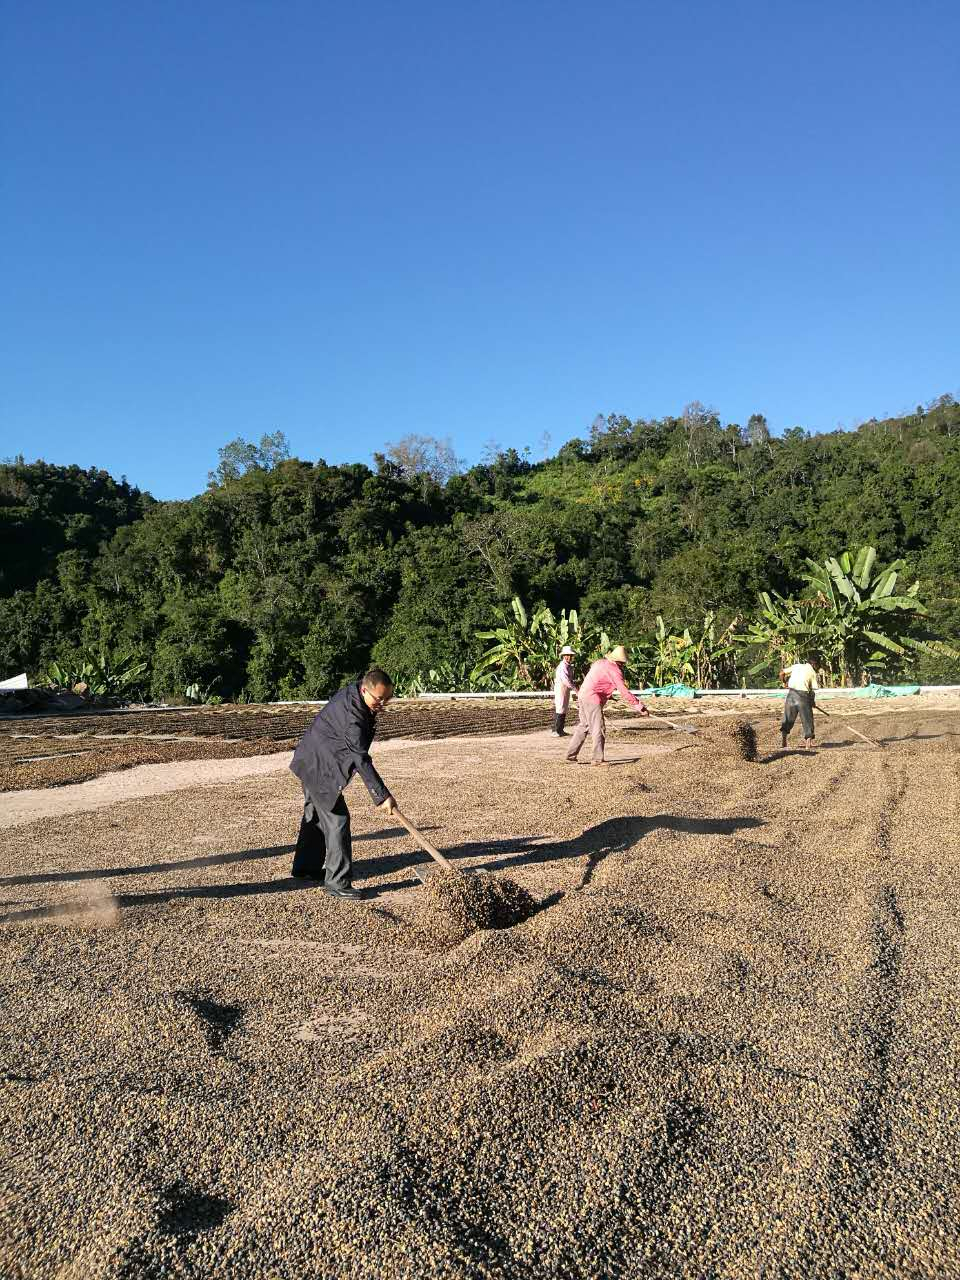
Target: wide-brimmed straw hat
618,654
566,649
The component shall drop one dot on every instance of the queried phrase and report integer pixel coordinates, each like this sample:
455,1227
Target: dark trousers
323,845
798,703
559,720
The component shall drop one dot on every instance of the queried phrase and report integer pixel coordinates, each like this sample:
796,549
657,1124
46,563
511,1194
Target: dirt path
19,807
726,1044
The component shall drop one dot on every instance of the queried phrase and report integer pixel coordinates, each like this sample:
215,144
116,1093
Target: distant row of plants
855,618
288,575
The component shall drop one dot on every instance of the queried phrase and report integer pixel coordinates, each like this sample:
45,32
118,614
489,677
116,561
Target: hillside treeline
286,576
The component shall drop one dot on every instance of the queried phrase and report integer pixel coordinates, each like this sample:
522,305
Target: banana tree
448,677
695,660
526,645
857,617
104,675
786,629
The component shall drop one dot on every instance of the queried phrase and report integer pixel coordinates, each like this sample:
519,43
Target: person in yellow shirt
801,683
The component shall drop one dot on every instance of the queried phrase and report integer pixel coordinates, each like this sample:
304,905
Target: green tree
240,456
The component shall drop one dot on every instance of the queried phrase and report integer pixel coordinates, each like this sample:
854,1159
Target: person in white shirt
801,681
563,686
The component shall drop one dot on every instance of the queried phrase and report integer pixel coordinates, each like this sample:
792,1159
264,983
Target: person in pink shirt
602,681
563,685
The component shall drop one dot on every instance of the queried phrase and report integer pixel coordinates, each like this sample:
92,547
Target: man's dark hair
376,678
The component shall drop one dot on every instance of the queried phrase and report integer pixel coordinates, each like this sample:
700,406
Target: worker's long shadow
919,737
181,864
244,889
185,864
79,908
615,835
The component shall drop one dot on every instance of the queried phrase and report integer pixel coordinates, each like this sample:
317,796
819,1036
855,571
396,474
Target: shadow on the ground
782,753
843,743
186,864
919,737
608,764
615,835
182,864
121,900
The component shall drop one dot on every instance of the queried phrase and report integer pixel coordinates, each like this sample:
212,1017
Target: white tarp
15,682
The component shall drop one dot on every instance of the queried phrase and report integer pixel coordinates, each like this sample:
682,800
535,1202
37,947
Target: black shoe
351,895
308,879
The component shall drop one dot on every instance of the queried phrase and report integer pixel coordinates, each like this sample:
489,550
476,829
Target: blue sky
483,221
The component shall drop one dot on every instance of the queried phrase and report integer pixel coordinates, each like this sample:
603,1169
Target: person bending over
333,749
602,681
801,682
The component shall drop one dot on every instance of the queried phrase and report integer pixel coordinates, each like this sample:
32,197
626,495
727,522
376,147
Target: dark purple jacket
335,747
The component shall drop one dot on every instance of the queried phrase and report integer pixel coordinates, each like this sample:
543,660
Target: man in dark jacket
333,749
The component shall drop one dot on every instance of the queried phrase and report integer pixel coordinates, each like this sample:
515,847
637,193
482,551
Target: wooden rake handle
681,728
423,842
868,741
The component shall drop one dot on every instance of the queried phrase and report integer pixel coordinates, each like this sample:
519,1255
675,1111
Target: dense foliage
525,645
285,577
855,618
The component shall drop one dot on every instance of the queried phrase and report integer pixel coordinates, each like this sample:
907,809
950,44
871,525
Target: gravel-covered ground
38,751
406,718
725,1045
29,763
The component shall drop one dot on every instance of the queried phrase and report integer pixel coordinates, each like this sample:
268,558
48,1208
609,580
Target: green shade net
864,691
879,691
671,691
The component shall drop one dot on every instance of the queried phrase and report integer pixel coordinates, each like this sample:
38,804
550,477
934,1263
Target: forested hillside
287,576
